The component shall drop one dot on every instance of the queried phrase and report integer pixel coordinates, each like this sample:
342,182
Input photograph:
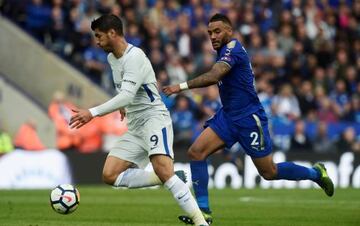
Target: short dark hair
220,17
106,22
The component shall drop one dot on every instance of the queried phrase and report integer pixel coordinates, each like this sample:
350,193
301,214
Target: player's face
103,40
219,33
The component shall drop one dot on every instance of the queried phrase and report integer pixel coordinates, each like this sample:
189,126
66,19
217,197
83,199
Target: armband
184,86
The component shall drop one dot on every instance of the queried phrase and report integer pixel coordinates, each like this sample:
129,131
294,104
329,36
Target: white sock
137,178
183,196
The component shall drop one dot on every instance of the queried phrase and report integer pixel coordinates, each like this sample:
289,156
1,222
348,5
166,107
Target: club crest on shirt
231,44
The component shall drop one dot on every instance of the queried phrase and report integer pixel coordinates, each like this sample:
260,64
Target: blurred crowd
99,135
305,56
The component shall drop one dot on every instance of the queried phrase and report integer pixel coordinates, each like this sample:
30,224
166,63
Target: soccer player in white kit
150,133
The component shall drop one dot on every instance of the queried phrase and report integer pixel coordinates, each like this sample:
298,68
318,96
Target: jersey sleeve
132,80
133,76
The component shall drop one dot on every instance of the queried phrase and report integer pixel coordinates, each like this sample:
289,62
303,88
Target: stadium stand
305,54
17,107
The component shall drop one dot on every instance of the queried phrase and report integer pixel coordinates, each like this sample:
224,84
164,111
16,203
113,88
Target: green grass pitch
104,206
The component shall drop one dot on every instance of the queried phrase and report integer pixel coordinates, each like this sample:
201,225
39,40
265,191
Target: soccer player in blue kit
241,119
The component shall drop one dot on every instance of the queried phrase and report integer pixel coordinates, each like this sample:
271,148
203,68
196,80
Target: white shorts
155,136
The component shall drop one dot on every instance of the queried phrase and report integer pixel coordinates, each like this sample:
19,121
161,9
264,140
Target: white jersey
136,85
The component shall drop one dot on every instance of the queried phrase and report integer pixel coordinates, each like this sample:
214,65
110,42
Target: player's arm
131,82
83,116
216,73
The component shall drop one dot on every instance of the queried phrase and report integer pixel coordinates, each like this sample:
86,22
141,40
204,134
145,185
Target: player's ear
111,33
227,28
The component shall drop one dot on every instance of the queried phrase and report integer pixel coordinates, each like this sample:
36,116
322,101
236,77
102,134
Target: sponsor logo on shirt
225,58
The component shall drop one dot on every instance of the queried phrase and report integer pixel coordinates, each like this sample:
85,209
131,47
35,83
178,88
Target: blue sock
291,171
200,178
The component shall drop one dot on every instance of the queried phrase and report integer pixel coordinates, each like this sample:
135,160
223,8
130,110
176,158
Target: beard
107,49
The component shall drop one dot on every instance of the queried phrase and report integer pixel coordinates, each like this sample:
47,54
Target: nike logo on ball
68,198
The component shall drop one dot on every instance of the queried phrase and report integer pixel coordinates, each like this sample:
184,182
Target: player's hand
122,113
168,90
81,117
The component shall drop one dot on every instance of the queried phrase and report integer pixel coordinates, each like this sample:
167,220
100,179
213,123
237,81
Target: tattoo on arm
216,73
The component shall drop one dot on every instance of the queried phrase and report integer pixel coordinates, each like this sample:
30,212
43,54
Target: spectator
95,63
320,79
60,112
306,98
341,98
351,79
299,140
322,142
112,126
327,110
175,70
354,113
27,138
6,145
133,36
266,93
58,28
347,141
285,104
302,41
183,118
211,102
38,19
90,138
285,39
342,62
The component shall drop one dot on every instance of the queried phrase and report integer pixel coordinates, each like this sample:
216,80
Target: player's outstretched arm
81,117
216,73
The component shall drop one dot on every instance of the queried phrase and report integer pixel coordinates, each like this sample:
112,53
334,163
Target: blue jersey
237,88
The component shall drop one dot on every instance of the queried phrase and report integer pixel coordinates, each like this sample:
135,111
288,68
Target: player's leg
291,171
255,139
216,135
113,167
158,137
284,170
164,168
125,162
121,173
198,152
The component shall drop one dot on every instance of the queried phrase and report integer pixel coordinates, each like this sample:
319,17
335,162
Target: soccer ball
64,199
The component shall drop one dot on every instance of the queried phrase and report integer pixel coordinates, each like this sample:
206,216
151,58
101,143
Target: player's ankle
205,210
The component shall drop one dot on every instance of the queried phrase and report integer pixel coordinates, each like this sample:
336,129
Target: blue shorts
251,132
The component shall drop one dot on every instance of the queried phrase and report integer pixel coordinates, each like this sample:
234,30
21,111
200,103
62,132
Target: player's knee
195,154
109,177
